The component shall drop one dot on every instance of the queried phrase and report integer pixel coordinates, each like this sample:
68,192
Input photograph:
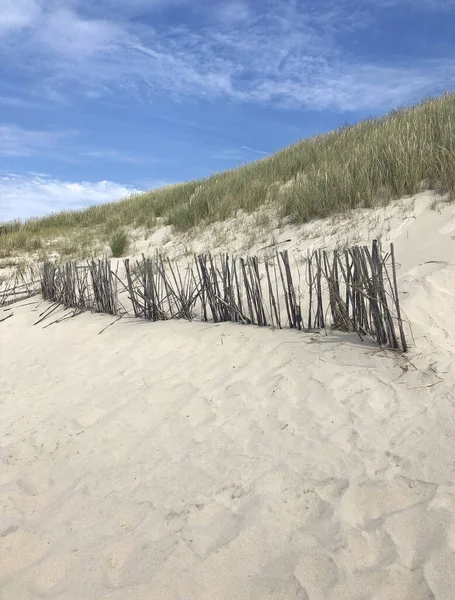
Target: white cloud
284,54
18,14
35,195
232,12
69,35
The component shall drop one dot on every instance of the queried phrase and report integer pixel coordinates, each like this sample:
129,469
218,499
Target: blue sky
101,98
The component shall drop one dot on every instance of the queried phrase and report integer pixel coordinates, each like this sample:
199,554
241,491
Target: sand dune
206,462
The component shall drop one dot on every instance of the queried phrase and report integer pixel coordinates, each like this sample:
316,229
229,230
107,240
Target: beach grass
364,165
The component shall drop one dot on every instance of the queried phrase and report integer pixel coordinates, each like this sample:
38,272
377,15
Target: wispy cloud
282,53
17,141
30,195
113,155
255,151
228,155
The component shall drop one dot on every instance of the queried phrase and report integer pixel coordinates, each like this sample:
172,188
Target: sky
99,99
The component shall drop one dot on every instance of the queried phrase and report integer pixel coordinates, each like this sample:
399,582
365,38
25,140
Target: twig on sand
107,326
274,244
426,385
7,317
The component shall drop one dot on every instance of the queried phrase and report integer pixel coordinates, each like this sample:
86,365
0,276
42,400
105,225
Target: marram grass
377,160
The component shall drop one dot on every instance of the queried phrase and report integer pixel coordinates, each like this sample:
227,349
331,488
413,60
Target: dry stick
202,294
184,294
364,284
162,291
216,289
132,294
175,293
351,265
222,273
276,291
48,312
26,304
244,321
239,294
273,307
161,282
247,291
376,306
380,267
256,281
340,316
286,297
158,289
70,316
189,293
145,284
230,288
212,275
320,305
346,274
198,287
207,287
254,299
15,300
229,292
7,317
290,288
360,296
349,303
211,291
391,294
379,293
375,310
309,271
145,280
261,292
358,283
113,322
262,317
404,345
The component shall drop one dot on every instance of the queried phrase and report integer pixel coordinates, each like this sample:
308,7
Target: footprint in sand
417,532
440,574
210,527
317,574
371,499
364,550
51,574
113,560
20,548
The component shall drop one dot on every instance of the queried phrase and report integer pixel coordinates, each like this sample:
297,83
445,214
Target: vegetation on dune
118,243
375,161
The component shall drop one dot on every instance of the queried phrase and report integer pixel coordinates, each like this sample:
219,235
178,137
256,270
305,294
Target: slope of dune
190,460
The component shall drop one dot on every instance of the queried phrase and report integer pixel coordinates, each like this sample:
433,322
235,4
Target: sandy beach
193,461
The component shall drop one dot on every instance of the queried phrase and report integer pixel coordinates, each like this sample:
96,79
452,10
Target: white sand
208,462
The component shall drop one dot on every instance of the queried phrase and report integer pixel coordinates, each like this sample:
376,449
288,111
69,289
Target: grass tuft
119,243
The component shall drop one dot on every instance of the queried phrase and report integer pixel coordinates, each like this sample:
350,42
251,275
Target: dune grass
119,243
375,161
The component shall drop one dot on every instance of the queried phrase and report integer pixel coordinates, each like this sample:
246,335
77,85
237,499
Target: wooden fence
354,290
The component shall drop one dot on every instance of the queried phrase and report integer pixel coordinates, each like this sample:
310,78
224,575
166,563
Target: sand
207,462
